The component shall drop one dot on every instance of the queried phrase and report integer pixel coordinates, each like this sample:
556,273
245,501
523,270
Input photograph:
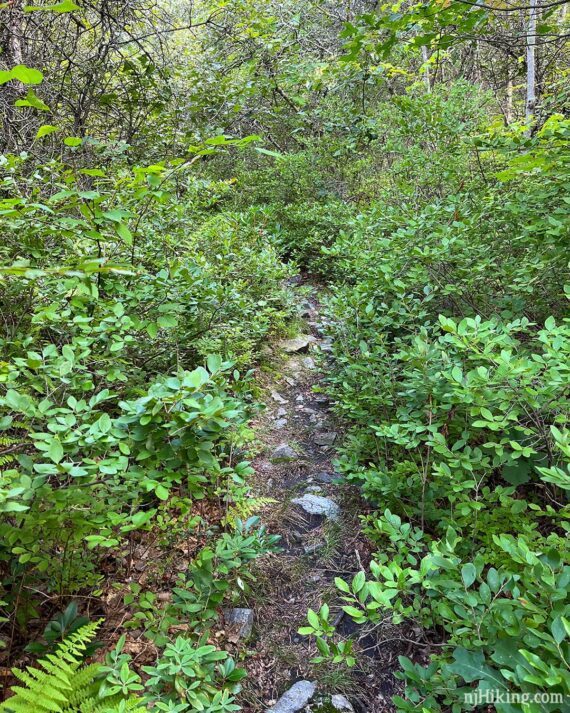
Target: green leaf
267,152
72,141
468,574
358,582
518,472
104,423
214,363
342,585
124,233
55,451
161,492
471,666
20,402
45,130
313,619
60,7
166,321
558,630
92,172
26,75
457,374
32,100
11,506
116,215
196,378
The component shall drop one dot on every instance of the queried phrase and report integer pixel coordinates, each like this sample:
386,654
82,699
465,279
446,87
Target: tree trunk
15,20
509,107
531,65
15,26
427,77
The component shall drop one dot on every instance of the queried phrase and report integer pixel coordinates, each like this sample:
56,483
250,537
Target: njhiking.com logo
493,696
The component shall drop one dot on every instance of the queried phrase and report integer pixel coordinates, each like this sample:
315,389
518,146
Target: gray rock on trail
325,438
340,703
324,477
297,344
295,699
309,363
283,454
240,623
312,548
306,308
280,423
318,505
281,412
278,398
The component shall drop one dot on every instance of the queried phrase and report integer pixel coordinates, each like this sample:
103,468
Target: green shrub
451,356
121,288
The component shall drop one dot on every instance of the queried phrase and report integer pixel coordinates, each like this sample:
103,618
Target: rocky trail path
316,516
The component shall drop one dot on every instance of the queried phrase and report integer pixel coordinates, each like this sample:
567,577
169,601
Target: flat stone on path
340,703
239,622
325,439
295,699
277,397
297,344
283,454
324,477
318,505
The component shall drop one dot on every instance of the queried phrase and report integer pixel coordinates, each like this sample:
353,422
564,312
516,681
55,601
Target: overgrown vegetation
451,362
165,170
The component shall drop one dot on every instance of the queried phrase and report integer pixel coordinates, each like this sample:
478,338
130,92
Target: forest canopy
184,186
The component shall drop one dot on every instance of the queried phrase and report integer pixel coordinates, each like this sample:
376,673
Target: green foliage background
162,176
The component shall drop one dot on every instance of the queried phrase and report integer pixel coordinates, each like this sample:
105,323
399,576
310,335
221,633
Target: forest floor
314,548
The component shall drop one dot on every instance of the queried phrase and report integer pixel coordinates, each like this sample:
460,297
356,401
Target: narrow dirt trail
316,516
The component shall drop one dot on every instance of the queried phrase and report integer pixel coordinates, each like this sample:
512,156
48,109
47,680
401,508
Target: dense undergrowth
192,164
451,353
118,413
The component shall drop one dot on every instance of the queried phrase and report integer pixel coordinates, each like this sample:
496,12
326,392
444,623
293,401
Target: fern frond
56,668
7,450
29,700
244,509
64,685
74,645
51,688
111,705
85,677
6,441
